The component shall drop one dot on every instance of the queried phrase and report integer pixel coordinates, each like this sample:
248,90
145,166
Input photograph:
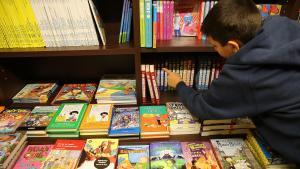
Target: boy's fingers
166,70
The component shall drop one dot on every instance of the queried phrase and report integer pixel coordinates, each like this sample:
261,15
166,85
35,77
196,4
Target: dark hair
73,112
232,20
104,113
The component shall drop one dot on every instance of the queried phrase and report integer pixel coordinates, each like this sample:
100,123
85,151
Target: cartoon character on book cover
7,144
69,113
76,92
116,88
133,157
178,114
123,118
10,118
61,159
199,155
100,153
38,120
99,113
166,155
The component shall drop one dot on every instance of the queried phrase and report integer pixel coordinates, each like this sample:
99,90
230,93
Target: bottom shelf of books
81,135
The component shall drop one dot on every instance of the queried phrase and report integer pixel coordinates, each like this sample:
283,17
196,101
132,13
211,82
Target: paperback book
11,119
133,156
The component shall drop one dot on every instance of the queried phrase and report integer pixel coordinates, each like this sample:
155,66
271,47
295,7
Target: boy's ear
235,46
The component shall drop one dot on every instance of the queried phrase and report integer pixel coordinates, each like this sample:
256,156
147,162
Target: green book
67,118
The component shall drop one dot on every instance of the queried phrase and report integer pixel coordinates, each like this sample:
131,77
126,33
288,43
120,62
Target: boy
260,79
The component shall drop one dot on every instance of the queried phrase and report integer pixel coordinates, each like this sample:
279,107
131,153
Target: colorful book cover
64,154
179,114
148,23
231,153
39,118
97,117
8,144
10,119
35,92
275,9
67,118
199,155
125,121
75,93
133,157
100,153
166,155
33,156
154,119
116,88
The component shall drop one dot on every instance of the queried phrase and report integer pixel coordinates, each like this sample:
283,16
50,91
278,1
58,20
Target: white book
98,21
54,34
70,9
92,34
81,23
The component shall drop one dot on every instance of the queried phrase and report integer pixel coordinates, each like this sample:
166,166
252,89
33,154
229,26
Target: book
133,156
98,21
11,119
100,153
67,118
238,123
64,154
125,122
166,155
39,119
32,156
9,146
35,93
199,155
75,93
96,118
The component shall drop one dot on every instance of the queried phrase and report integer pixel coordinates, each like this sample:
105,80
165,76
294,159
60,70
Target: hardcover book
64,154
75,93
11,119
32,156
199,155
125,122
35,93
133,156
166,155
97,118
100,153
67,118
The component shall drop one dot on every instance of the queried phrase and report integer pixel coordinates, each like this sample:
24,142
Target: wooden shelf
180,44
115,49
169,97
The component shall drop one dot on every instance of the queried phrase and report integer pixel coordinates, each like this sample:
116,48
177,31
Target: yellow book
96,118
255,154
252,141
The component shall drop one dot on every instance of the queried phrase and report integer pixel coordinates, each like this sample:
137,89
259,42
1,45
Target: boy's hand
173,78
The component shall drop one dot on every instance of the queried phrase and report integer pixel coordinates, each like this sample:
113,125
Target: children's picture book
75,93
11,119
166,155
125,121
179,114
64,154
133,156
39,118
154,120
67,118
100,153
35,93
199,155
116,88
33,156
97,117
9,145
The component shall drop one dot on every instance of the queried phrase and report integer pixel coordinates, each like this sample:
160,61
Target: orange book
96,118
2,108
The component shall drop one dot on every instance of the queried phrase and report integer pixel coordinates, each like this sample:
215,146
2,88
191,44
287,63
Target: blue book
122,21
148,23
129,23
125,122
125,25
133,156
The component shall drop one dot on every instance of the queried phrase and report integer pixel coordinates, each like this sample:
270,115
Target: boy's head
230,24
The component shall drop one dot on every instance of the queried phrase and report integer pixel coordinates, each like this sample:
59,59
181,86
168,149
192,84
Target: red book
143,72
149,82
154,84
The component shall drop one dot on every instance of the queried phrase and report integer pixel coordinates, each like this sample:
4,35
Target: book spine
200,14
129,23
142,22
158,13
154,23
143,72
165,14
161,19
148,15
154,85
125,26
148,77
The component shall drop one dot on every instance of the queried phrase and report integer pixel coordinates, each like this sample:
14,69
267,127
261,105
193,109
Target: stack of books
96,119
66,121
35,93
116,91
154,122
226,126
181,120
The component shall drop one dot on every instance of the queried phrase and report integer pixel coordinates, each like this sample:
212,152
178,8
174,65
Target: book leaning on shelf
11,119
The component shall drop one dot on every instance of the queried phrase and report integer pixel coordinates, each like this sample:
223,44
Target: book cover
39,118
97,117
133,156
125,121
179,114
67,118
100,153
199,155
39,93
116,88
166,155
154,119
75,93
32,156
64,154
11,119
98,21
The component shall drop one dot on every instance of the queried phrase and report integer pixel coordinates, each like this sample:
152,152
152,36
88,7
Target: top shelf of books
180,44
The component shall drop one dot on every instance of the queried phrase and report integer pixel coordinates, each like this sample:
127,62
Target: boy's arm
227,97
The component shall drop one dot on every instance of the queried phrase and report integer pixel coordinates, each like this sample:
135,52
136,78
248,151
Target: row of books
126,22
117,91
107,153
50,23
